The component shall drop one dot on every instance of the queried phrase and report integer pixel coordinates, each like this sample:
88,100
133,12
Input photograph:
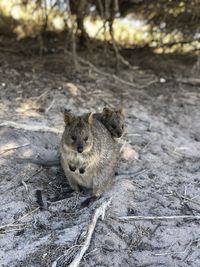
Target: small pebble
162,80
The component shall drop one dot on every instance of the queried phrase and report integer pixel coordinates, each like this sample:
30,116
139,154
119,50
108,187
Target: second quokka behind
88,153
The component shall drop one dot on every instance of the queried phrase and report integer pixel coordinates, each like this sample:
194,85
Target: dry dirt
163,179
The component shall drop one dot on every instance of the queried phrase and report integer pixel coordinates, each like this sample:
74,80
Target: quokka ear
121,111
89,118
68,117
107,112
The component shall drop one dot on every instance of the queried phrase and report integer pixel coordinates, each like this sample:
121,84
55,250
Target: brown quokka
113,120
88,153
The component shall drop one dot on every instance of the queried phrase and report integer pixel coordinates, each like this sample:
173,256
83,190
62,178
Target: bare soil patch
162,126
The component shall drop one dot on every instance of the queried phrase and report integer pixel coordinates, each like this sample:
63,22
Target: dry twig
184,198
99,212
191,81
29,213
14,147
11,225
50,106
26,187
152,218
178,252
113,76
28,127
17,224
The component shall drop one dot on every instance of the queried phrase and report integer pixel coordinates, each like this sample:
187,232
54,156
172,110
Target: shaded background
164,26
84,55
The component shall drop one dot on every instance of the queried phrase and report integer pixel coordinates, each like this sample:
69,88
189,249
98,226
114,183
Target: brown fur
113,120
98,158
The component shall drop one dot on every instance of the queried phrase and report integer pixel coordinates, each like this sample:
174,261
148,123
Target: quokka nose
119,133
80,149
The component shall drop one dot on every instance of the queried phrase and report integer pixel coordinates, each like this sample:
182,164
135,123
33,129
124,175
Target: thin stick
54,264
50,106
84,246
18,220
27,191
29,213
37,98
132,173
26,187
113,76
123,145
176,217
178,252
191,81
29,127
99,212
35,173
175,194
14,147
12,230
11,225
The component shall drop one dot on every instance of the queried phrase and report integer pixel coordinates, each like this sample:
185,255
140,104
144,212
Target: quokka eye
122,127
86,139
113,126
73,137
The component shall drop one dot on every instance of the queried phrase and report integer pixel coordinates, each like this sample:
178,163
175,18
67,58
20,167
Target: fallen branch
11,225
113,76
98,212
28,127
179,252
14,147
176,217
191,81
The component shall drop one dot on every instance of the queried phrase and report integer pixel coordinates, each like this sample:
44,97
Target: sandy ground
160,178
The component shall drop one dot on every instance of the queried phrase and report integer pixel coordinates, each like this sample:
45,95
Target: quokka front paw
72,168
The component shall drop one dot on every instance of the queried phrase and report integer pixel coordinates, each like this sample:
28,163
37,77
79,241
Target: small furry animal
88,153
113,120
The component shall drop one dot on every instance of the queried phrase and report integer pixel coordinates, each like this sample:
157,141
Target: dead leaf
71,88
128,153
